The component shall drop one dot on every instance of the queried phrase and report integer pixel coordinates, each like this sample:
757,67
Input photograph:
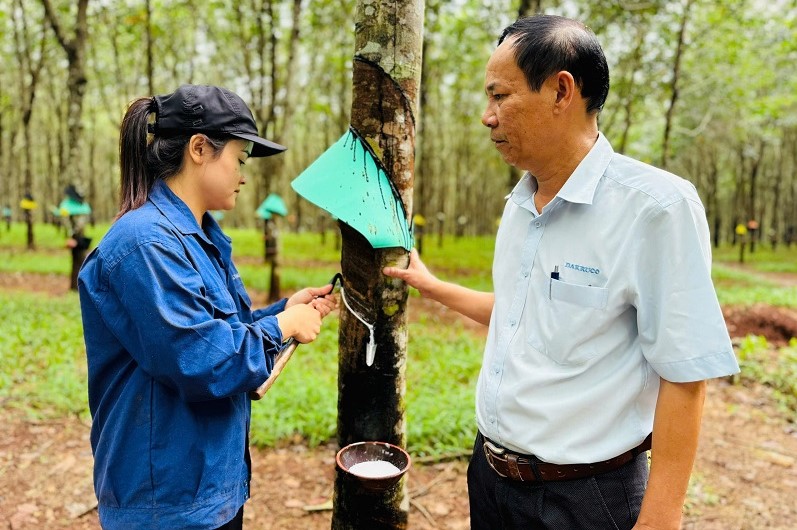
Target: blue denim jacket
173,348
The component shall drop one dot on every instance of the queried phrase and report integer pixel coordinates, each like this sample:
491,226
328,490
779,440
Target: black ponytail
143,162
135,179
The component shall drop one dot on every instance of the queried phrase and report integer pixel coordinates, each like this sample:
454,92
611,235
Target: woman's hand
317,297
300,321
304,311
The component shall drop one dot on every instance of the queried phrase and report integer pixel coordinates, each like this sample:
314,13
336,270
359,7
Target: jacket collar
179,214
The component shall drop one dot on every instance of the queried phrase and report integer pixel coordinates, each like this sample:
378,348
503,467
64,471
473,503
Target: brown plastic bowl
359,452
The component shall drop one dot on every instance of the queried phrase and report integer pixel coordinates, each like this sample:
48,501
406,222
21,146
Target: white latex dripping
370,349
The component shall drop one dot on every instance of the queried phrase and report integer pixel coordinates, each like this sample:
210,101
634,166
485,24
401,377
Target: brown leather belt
530,468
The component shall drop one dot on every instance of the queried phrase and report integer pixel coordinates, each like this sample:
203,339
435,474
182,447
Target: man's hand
473,304
676,426
415,275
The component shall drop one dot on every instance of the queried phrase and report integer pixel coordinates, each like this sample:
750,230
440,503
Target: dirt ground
745,477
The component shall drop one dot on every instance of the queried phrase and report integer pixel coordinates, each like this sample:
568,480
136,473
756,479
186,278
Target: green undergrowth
775,368
43,375
42,356
737,287
781,259
43,367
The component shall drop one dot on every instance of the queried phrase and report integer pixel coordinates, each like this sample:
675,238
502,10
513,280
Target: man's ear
566,89
197,147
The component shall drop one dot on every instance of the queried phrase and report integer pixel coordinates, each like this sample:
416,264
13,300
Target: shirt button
538,224
512,323
525,274
492,420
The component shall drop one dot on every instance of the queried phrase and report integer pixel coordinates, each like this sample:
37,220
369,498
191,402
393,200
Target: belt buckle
490,451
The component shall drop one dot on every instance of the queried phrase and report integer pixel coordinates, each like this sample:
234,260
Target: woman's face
221,178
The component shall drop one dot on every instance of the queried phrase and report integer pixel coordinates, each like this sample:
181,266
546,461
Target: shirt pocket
580,295
568,322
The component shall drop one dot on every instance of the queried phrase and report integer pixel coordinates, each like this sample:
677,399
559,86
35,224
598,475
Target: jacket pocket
222,302
246,302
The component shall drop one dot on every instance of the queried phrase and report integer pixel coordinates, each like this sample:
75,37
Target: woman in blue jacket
173,345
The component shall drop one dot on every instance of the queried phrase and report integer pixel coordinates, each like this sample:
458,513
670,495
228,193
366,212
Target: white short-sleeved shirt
571,367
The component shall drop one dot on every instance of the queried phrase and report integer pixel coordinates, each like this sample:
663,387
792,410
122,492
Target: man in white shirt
603,324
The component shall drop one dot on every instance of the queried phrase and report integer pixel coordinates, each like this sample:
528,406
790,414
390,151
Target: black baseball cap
210,109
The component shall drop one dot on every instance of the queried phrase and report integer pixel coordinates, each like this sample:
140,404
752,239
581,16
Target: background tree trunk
291,57
28,83
526,8
150,76
676,74
386,78
75,49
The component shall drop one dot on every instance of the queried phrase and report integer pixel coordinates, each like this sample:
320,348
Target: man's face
519,119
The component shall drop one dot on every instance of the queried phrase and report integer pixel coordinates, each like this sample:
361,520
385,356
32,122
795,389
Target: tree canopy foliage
706,89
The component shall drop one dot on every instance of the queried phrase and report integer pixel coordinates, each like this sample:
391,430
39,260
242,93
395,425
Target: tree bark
676,74
424,131
75,49
630,95
278,116
150,75
774,232
24,45
271,84
386,78
527,8
753,212
712,195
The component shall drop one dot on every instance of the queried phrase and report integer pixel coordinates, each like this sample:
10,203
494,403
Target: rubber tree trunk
79,249
75,50
674,86
78,257
386,79
271,237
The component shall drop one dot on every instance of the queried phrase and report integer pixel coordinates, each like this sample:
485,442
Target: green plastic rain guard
272,205
70,206
349,182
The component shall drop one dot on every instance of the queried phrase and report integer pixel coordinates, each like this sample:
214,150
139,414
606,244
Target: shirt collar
524,190
581,185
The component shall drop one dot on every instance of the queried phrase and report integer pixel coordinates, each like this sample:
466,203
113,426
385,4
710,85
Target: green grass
738,287
764,259
42,261
43,374
304,258
442,366
43,367
49,257
759,362
42,356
